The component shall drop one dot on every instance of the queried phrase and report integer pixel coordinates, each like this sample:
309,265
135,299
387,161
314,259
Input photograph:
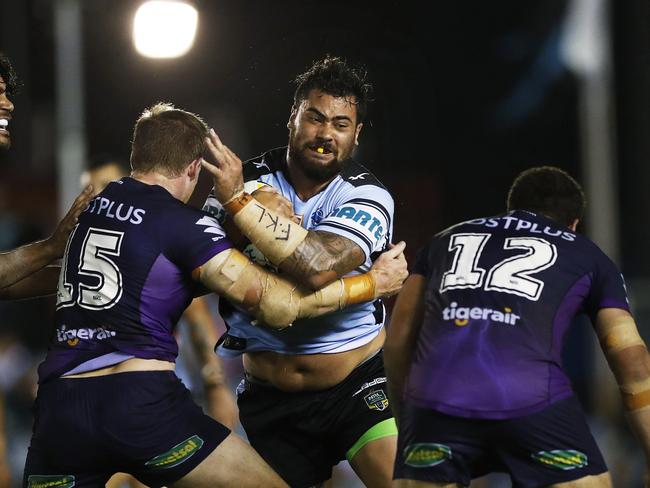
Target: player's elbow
277,311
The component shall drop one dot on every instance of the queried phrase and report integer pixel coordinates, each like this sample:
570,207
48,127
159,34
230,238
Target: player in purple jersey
322,391
219,399
108,398
473,356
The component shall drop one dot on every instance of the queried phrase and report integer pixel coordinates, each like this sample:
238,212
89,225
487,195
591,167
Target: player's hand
389,270
224,166
57,241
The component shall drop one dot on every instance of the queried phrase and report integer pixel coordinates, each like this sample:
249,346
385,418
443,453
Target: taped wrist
360,288
275,236
338,295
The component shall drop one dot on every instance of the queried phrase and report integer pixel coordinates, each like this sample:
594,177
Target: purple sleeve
607,290
194,237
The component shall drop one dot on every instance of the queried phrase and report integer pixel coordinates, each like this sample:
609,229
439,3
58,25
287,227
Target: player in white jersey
315,393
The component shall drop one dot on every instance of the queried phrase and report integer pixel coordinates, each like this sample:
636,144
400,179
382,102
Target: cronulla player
473,355
315,393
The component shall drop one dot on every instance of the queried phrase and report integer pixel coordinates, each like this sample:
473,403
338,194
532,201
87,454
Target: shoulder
269,162
358,175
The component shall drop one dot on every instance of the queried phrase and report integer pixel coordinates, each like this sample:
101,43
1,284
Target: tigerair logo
50,481
73,336
425,455
177,454
562,459
462,315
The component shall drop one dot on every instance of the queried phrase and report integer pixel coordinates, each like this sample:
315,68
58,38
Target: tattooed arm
322,258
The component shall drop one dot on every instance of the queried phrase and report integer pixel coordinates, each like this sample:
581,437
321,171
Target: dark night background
467,95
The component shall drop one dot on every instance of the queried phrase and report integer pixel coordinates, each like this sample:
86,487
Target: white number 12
511,275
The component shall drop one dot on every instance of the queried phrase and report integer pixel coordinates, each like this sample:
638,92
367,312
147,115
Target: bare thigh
599,481
374,462
233,463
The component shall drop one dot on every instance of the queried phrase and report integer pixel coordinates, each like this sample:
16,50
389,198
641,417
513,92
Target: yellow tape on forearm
275,236
637,401
359,288
636,394
621,335
338,295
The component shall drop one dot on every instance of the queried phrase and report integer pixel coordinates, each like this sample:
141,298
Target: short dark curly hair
549,191
334,76
8,74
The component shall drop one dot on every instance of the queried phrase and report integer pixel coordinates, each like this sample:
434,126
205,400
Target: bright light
164,28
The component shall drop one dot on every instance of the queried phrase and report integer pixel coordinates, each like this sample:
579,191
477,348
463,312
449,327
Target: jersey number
95,261
512,275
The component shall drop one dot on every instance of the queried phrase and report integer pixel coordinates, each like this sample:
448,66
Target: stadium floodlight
164,28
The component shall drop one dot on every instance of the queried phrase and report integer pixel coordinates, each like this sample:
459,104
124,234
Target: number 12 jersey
501,293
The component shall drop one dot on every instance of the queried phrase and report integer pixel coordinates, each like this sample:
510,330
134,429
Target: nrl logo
376,400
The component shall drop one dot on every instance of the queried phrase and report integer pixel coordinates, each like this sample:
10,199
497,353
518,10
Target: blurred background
467,95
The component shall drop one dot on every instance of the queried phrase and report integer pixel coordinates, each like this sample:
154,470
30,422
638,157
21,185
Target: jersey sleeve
213,207
193,238
608,288
365,216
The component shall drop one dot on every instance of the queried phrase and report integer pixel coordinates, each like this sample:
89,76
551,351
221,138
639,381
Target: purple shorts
142,423
548,447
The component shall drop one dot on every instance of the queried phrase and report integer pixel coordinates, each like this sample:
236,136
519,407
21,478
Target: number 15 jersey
126,278
501,293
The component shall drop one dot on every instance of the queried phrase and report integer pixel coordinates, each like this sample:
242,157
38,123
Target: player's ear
291,124
356,134
574,225
194,168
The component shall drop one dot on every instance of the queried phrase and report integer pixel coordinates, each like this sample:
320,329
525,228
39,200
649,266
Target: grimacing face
323,131
6,109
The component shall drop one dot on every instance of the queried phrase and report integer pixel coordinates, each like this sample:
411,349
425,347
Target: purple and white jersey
501,293
354,205
126,278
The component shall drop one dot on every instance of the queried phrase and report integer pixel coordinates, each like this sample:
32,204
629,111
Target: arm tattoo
323,252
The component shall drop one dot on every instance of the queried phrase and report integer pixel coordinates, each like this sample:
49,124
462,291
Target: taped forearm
272,299
275,236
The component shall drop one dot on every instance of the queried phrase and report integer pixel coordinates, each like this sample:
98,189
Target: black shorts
548,447
142,423
303,434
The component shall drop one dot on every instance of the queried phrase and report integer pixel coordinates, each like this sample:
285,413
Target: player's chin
322,170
